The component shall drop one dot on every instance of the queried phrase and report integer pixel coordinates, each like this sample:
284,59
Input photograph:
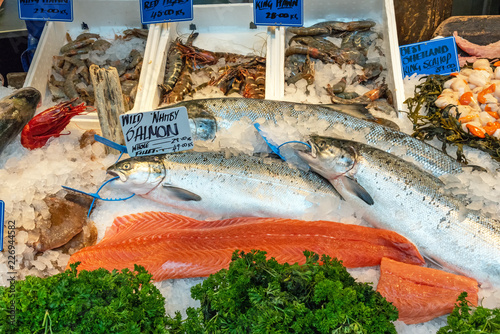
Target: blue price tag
278,12
438,56
2,219
46,10
158,11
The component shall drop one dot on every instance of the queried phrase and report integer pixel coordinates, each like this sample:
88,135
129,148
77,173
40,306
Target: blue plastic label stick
2,220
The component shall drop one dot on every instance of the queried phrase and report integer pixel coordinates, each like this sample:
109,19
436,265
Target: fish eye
322,144
126,165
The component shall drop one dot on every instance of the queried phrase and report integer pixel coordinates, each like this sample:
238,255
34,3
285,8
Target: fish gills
174,246
422,294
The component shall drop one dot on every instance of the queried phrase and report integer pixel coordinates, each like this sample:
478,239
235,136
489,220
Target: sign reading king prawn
46,10
278,12
438,56
157,132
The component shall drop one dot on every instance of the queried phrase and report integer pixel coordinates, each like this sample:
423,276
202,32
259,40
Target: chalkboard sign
278,12
46,10
438,56
157,132
158,11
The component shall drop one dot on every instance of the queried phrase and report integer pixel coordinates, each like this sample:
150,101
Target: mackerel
397,195
218,187
207,116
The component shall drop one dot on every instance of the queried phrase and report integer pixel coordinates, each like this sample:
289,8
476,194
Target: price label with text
46,10
438,56
157,11
157,132
278,12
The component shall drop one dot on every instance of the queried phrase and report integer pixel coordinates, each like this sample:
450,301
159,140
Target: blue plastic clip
96,194
274,148
121,148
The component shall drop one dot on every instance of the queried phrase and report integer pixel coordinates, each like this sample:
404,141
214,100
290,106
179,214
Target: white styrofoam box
104,17
380,11
222,28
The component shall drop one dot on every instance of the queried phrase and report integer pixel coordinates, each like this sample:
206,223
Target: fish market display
210,115
461,109
213,185
396,195
16,110
232,73
70,78
174,246
422,294
345,58
50,123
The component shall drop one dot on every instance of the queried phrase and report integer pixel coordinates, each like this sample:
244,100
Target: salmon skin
174,246
422,294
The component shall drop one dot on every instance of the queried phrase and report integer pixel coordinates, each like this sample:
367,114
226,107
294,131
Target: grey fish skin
209,115
410,202
16,110
218,187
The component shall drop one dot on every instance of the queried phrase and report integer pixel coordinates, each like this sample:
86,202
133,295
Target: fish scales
227,111
175,246
411,202
226,187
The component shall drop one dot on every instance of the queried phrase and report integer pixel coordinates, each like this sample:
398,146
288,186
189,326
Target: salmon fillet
422,294
173,246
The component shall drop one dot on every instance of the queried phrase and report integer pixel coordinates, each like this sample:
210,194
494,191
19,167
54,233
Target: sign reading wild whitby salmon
158,11
438,56
157,132
46,10
278,12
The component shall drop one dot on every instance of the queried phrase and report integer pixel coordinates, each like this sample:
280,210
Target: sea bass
396,195
15,112
207,116
218,187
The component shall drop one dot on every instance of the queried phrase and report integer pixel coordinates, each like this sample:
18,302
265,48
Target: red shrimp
50,123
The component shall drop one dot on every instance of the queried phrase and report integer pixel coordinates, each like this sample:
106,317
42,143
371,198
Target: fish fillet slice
174,246
422,294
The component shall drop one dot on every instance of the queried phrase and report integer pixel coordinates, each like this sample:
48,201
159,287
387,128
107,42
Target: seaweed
434,122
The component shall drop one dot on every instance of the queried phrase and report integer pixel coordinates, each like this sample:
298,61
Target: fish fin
475,168
434,262
181,194
354,187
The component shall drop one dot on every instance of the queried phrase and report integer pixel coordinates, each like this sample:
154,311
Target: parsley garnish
94,302
256,295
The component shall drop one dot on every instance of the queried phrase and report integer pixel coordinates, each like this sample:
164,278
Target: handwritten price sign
438,56
46,10
157,132
157,11
278,12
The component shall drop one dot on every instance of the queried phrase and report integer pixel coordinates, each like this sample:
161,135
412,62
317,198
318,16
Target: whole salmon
207,116
397,195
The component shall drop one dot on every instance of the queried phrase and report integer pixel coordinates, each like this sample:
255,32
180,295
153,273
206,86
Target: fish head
329,157
138,175
201,121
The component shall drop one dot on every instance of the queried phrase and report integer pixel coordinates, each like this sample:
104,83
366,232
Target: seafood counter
365,227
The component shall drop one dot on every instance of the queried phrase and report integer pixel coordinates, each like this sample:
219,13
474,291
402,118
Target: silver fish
397,195
210,184
16,110
209,115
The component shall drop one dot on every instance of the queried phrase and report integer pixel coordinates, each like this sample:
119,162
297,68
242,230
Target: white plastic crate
106,18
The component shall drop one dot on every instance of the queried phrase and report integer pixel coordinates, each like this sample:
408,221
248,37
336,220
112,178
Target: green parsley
95,302
465,319
256,295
